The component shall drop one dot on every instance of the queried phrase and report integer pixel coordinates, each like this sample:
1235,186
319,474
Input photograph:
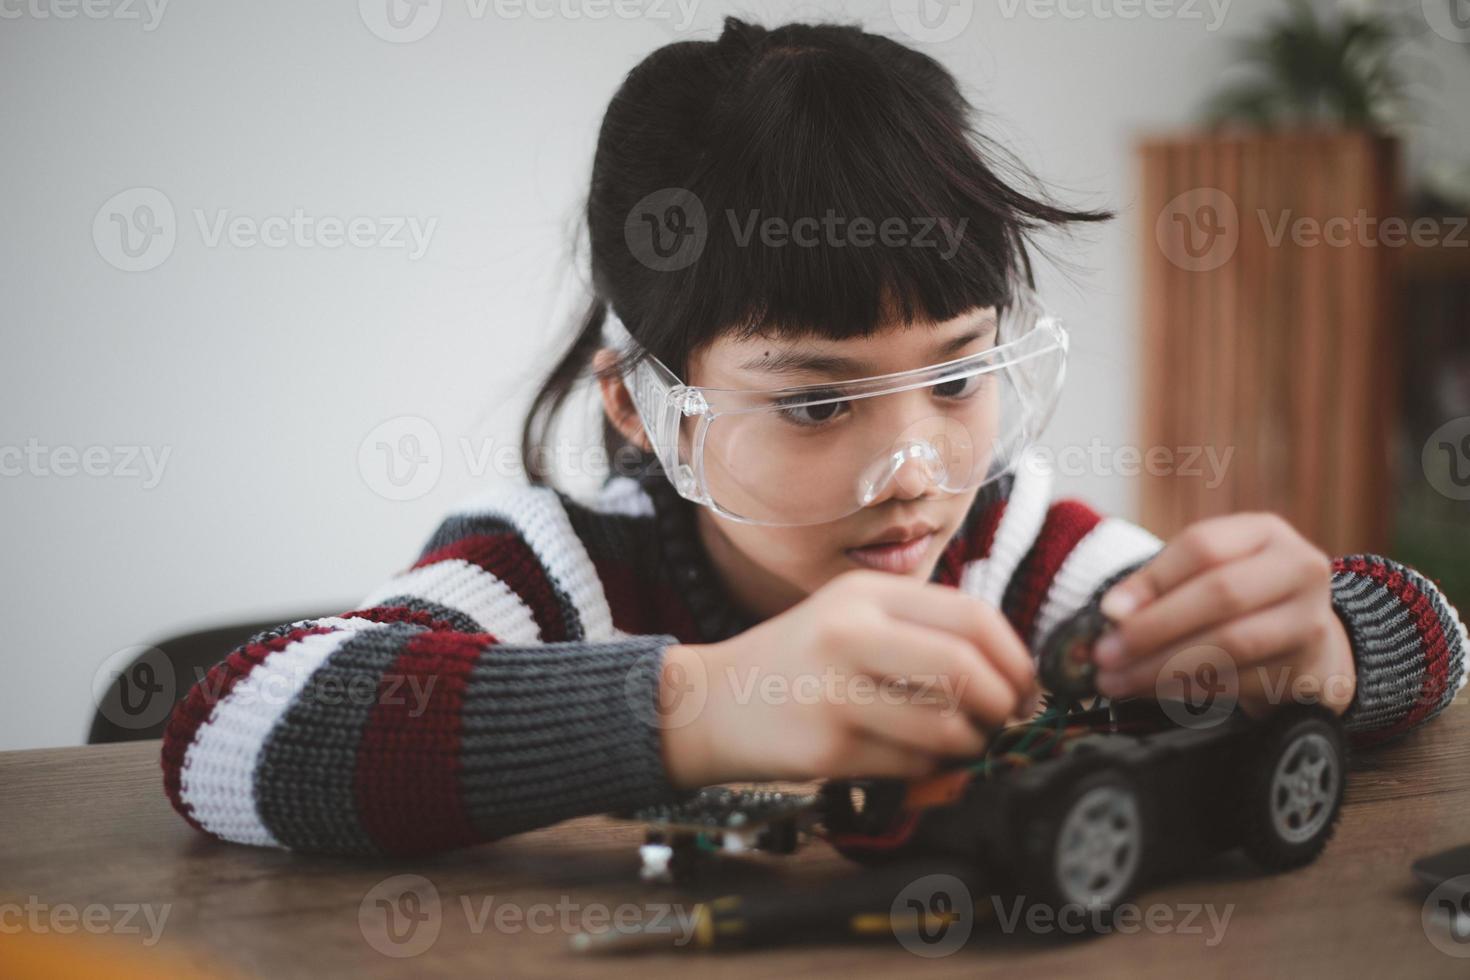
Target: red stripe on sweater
1431,640
407,775
645,607
398,614
971,546
1067,522
190,714
507,556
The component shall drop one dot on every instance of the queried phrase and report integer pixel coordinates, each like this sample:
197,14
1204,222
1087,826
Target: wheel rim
1304,788
1098,847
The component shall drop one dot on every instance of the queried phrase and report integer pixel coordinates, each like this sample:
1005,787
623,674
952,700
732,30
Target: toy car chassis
1119,796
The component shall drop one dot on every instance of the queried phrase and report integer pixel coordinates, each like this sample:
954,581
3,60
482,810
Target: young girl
823,549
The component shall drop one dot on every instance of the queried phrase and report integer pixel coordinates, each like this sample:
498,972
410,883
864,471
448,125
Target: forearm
1408,645
396,738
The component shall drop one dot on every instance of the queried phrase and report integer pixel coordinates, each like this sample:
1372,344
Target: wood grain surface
90,827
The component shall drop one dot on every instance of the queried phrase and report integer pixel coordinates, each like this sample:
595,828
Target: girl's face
770,568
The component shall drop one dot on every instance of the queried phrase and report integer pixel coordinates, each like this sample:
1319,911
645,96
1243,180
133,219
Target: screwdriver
864,907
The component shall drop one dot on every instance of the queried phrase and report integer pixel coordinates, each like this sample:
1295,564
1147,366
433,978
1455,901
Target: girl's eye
809,415
962,387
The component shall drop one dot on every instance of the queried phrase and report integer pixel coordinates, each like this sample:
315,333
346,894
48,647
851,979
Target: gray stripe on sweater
561,729
304,780
458,620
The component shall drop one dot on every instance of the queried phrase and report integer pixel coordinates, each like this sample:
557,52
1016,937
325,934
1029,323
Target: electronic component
1066,668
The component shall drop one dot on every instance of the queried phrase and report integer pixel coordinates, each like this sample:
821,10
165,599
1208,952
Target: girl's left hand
1245,584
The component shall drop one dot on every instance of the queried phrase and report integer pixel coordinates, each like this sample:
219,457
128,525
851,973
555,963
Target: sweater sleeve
1052,560
481,692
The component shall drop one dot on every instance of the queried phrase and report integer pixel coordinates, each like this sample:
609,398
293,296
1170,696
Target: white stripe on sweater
624,496
467,588
537,513
217,779
1020,523
1111,545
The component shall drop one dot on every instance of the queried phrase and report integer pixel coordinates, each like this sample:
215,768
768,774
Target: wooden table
90,827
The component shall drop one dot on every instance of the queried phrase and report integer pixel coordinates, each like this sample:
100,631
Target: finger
1232,647
1202,545
949,664
872,756
921,727
946,608
1215,596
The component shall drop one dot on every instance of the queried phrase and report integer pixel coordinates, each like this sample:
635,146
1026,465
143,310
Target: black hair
798,121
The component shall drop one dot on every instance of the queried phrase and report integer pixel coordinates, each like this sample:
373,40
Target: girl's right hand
873,674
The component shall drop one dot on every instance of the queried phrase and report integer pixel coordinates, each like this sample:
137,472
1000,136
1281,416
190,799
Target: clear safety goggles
818,452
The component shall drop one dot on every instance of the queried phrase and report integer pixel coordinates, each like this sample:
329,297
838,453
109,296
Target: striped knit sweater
508,679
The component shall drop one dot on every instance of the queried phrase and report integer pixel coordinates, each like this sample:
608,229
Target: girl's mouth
900,557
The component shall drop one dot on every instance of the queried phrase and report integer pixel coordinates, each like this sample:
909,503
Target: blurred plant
1311,69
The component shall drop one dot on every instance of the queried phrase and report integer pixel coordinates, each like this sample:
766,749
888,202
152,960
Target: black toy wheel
1088,850
1293,791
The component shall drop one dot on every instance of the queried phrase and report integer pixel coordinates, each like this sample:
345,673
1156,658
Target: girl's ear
616,401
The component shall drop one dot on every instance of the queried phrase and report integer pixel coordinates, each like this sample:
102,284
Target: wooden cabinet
1269,329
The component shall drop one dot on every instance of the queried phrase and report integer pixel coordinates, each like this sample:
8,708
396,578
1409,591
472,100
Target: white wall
261,370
